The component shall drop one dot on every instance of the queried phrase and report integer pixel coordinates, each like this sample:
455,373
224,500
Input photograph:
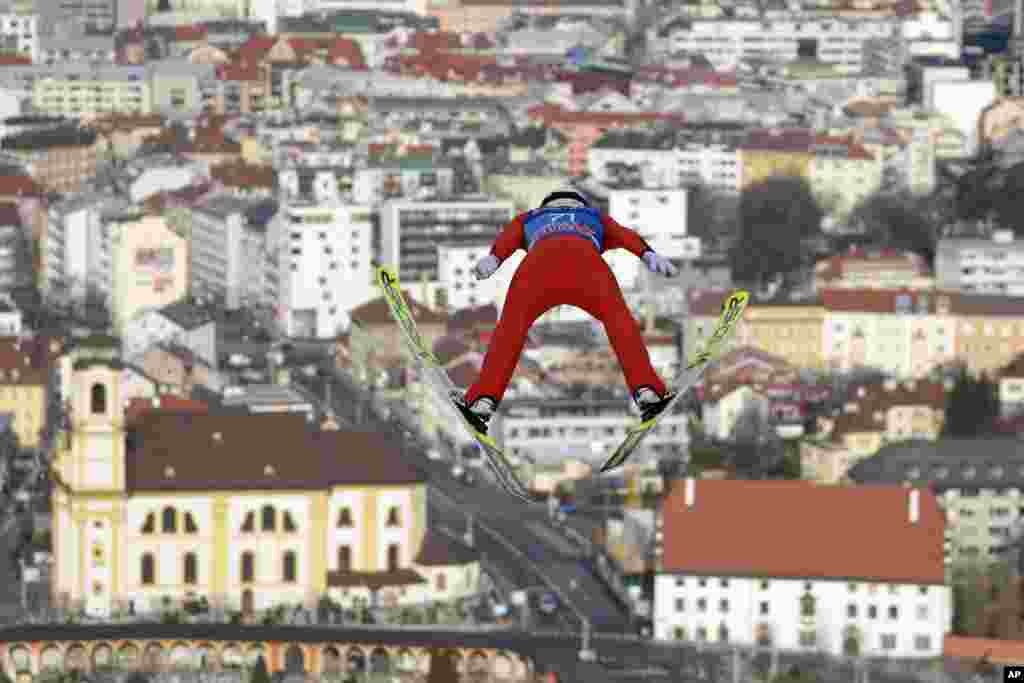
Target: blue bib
582,222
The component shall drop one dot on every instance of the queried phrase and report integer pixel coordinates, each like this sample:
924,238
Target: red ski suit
564,270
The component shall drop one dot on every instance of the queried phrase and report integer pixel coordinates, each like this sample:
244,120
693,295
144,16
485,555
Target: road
497,516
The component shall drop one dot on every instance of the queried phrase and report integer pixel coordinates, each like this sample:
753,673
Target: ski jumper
563,266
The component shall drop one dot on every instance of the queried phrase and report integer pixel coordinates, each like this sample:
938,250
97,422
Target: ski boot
650,403
479,413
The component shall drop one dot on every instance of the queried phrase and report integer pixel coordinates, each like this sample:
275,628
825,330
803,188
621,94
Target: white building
716,165
181,323
550,430
75,252
964,102
981,266
864,575
20,33
455,265
660,218
226,252
320,266
728,42
412,232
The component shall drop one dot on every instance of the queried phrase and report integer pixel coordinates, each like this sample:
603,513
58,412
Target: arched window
345,517
170,520
98,399
190,524
442,581
344,558
267,518
394,517
191,569
289,570
150,524
288,523
249,523
392,557
148,570
248,566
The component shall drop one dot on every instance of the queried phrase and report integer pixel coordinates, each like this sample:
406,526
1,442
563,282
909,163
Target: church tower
89,482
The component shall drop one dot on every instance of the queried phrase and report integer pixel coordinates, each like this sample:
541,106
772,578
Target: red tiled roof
993,650
9,214
707,302
13,185
238,174
443,66
165,402
464,374
257,46
674,78
427,43
464,318
880,300
376,312
345,51
188,34
745,528
553,114
247,69
833,267
14,60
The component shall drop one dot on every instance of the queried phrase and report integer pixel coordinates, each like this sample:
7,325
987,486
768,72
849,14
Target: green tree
898,221
442,667
797,675
776,217
971,406
259,671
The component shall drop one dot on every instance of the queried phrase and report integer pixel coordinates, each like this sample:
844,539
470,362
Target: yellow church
247,511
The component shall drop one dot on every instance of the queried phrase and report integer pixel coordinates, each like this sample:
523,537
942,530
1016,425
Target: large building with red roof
794,565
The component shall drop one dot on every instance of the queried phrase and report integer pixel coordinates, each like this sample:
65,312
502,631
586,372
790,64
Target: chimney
915,506
691,485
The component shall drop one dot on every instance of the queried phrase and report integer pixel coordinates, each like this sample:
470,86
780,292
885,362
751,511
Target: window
703,583
288,571
345,517
702,633
98,399
267,518
680,604
922,612
289,523
150,523
191,570
764,608
894,612
807,605
723,634
851,611
248,566
679,581
394,517
872,612
922,643
923,590
853,587
723,606
764,585
170,520
679,633
702,605
344,558
249,523
725,583
888,641
147,570
442,581
190,524
808,638
392,557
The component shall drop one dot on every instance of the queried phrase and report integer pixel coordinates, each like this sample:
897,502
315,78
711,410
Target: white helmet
568,198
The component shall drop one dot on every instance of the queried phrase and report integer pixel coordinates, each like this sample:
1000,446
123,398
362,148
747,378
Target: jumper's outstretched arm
617,236
511,238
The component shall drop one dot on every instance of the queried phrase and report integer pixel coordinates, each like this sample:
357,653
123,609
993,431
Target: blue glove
486,266
659,264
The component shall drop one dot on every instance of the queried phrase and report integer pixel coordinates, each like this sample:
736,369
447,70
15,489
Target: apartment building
73,250
728,42
455,264
60,159
981,266
549,430
990,330
412,232
865,577
228,239
1011,387
182,323
903,332
978,483
871,417
77,49
707,155
82,90
320,266
860,268
19,33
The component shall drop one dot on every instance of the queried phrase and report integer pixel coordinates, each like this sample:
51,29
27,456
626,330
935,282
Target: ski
436,376
732,311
